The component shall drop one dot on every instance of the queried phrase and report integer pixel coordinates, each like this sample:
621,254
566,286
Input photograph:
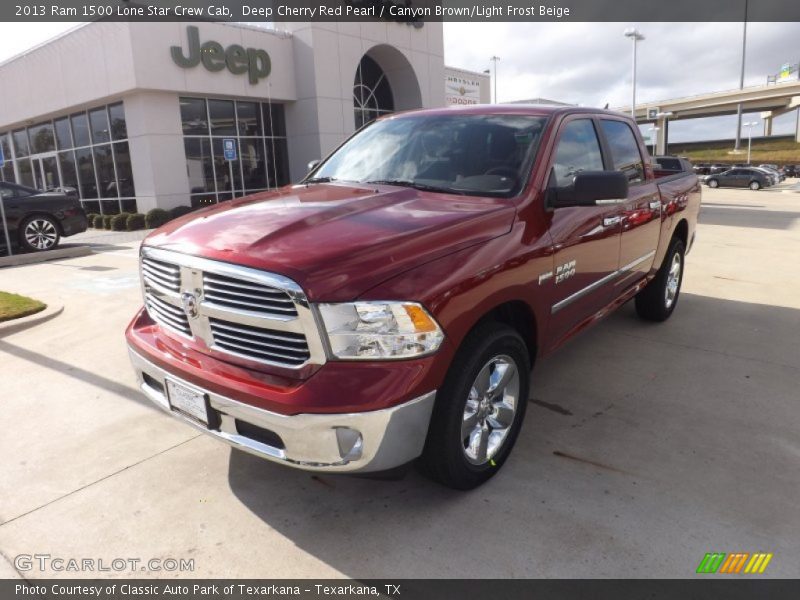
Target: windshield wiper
416,185
320,180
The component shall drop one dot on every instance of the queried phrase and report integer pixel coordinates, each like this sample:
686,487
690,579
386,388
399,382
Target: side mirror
591,188
313,164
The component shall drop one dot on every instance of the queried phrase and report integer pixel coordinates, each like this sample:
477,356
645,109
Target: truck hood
337,241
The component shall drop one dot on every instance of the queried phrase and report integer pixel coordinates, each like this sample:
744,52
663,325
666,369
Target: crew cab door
641,212
585,238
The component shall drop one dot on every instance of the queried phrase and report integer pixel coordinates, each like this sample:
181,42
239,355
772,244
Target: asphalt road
645,446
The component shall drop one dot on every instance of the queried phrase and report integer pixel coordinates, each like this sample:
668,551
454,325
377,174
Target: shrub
135,222
119,222
179,211
107,221
156,217
97,222
90,218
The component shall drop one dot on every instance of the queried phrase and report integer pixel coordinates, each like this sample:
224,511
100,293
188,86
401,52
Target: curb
37,257
17,325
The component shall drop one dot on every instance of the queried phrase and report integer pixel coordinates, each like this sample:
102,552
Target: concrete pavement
645,446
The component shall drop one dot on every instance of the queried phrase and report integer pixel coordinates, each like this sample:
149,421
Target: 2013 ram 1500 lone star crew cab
391,305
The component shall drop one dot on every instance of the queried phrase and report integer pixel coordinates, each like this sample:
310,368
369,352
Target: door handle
611,221
655,205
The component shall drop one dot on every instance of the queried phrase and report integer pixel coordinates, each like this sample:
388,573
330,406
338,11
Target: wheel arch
682,231
518,315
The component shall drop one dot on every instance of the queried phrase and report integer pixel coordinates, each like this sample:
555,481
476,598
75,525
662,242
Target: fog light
351,444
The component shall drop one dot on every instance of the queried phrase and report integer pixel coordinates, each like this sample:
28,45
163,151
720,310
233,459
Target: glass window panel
7,172
278,162
63,134
21,143
119,128
228,171
98,119
122,156
91,206
253,163
69,175
624,149
104,163
578,150
83,157
201,200
42,138
224,197
129,206
249,115
194,118
25,172
274,120
222,117
199,165
4,144
110,207
80,130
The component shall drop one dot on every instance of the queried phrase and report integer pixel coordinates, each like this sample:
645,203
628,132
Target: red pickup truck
390,307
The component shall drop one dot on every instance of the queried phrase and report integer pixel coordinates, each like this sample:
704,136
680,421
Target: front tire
713,183
480,408
39,233
657,301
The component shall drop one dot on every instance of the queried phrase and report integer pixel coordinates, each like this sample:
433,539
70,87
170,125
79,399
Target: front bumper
351,442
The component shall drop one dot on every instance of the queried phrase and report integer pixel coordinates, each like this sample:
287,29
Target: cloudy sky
589,63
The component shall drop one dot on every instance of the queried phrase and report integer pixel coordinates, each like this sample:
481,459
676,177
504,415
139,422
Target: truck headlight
380,330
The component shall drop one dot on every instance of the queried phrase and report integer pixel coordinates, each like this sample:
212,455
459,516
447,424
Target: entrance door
46,175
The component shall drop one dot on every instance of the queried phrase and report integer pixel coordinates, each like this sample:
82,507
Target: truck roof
512,109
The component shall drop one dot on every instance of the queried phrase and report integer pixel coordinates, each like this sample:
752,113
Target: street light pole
741,80
494,59
655,131
636,36
750,126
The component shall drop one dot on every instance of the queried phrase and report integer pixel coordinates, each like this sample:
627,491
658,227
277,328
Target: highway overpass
771,101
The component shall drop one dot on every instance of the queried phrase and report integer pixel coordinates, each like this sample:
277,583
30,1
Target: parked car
792,170
773,170
390,306
753,178
38,220
774,176
718,168
702,168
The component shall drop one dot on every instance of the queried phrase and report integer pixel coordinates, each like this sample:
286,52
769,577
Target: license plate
187,401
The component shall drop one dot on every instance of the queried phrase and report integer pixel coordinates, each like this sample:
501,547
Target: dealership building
135,116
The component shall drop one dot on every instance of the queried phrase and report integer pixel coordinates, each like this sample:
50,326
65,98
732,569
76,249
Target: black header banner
413,12
709,588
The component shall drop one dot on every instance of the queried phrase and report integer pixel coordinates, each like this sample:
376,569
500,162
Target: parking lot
645,445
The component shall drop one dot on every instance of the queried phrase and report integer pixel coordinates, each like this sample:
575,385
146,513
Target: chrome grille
246,295
235,313
167,314
161,275
264,344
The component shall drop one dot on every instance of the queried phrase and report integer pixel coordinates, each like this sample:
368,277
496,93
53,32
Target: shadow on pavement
645,440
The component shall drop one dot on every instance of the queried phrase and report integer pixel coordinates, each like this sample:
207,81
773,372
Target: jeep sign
238,60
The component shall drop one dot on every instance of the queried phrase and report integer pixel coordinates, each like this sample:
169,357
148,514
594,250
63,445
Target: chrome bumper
350,442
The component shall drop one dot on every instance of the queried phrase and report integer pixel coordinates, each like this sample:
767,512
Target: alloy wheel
490,409
41,234
673,280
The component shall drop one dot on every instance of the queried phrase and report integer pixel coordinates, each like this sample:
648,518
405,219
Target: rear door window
624,149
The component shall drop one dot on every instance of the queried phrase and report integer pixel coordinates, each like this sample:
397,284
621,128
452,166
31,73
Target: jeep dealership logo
237,59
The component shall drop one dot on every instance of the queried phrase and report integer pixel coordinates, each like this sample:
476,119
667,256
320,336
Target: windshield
486,155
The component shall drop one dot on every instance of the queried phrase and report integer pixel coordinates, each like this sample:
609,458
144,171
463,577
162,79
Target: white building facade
135,116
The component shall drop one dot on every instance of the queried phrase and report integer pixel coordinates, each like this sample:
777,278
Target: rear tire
39,233
755,186
657,301
479,410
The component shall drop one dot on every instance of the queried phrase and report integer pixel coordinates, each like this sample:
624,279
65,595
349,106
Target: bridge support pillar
768,126
797,128
662,136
